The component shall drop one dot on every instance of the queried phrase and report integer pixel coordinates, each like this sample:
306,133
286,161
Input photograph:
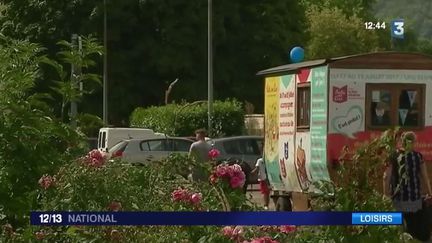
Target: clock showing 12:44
375,25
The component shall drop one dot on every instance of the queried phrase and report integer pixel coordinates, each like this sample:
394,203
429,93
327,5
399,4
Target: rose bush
93,184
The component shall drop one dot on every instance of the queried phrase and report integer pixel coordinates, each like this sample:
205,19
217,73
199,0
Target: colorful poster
318,125
287,128
271,147
302,161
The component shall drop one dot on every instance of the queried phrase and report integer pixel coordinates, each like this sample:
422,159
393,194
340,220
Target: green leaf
71,231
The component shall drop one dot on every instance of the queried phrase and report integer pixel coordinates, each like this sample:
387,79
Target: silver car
242,148
147,150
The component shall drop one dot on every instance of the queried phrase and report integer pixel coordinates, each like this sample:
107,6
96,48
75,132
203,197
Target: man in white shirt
263,182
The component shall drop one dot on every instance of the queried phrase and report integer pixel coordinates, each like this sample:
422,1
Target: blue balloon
297,54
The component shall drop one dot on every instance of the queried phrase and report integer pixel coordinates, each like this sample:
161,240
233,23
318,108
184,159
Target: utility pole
105,71
210,70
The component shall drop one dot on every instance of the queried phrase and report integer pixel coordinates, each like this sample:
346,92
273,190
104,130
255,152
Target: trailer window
395,105
303,106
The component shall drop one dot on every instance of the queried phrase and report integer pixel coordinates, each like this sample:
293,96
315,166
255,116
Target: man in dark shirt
403,185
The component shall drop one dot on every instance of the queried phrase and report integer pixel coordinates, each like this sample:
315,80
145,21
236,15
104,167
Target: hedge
184,119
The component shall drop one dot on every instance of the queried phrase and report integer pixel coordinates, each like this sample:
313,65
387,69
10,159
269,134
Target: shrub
184,119
355,188
32,142
93,184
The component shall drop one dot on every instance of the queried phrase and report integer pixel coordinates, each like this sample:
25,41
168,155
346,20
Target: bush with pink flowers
94,159
228,180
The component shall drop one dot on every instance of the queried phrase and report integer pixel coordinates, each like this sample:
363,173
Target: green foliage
184,119
416,14
361,8
148,46
327,29
148,188
66,83
32,143
355,188
79,187
89,124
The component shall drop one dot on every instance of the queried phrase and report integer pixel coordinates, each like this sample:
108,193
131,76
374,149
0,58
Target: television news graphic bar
215,218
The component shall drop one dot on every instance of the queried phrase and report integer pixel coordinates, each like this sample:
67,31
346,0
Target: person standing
403,185
199,152
263,182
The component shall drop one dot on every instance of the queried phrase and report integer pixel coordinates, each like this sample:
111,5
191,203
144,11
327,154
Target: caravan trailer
315,108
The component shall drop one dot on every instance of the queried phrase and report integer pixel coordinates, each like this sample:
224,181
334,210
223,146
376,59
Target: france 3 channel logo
397,28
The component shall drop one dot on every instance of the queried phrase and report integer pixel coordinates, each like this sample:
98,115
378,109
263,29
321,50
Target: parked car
139,151
240,148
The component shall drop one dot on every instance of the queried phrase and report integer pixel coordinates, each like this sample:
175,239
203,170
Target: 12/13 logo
397,28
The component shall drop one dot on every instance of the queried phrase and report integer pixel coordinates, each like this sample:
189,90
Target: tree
333,34
68,80
361,8
151,43
32,141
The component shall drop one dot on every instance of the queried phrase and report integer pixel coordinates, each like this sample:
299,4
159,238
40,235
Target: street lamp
210,69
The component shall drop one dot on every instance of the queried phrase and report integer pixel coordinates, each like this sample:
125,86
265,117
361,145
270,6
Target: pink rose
233,233
221,171
236,182
46,181
240,175
227,231
196,198
94,158
179,195
213,153
287,229
237,168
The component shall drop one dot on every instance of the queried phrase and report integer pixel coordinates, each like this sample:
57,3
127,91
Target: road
256,196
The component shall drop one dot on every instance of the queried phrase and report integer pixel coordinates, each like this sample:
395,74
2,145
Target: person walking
199,152
263,182
402,183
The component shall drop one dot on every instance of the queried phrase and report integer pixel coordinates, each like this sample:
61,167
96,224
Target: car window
181,145
231,147
144,146
157,145
248,146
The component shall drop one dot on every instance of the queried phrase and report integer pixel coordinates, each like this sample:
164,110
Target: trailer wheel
283,204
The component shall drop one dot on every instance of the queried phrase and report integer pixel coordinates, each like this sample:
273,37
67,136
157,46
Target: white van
108,137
